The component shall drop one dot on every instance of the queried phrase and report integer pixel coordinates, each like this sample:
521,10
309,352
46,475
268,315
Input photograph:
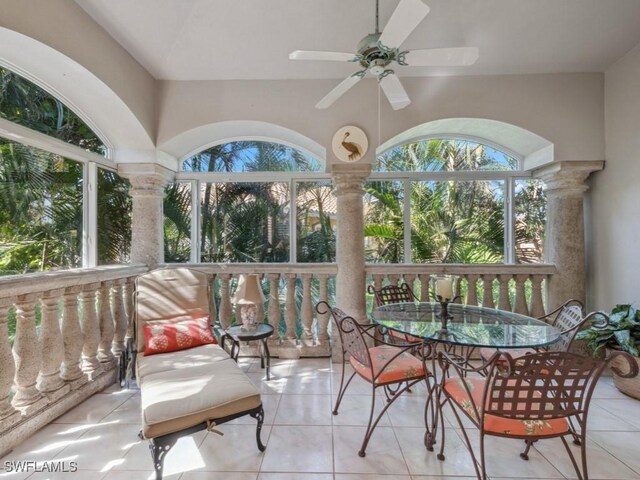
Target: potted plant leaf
621,332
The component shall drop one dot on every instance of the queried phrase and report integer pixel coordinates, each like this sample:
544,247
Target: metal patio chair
533,398
383,366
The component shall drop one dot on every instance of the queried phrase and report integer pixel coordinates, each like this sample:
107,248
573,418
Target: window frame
90,162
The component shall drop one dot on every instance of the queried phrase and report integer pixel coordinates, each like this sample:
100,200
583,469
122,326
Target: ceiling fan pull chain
377,24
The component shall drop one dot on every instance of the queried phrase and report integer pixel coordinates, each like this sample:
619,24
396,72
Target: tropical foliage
622,332
451,221
243,221
41,200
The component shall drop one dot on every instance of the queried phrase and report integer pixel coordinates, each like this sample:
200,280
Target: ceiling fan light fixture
377,67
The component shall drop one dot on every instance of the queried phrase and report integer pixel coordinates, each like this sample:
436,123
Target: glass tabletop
469,325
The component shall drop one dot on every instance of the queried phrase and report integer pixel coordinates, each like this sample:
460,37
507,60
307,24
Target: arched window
42,193
453,201
257,202
26,104
250,156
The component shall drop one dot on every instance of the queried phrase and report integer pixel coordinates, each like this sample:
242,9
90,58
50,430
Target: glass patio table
468,327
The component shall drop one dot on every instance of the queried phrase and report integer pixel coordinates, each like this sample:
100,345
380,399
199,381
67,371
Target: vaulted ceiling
251,39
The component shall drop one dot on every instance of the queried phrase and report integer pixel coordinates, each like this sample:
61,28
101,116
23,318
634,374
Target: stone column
349,180
565,187
147,193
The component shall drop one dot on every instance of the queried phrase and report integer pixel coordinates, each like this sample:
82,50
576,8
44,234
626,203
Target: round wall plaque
350,144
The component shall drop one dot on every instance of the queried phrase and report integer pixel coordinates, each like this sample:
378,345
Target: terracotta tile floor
306,442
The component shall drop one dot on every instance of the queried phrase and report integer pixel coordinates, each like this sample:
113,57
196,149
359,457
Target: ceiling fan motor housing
374,56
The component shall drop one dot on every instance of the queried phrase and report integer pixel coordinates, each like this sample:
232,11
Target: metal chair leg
525,453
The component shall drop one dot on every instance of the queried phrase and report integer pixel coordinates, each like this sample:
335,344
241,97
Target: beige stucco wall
566,109
614,207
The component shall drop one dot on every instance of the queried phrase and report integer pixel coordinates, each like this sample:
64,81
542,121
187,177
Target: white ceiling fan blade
337,92
406,17
442,57
395,92
315,55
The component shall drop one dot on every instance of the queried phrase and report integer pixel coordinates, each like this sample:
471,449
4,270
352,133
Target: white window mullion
90,216
509,222
195,221
406,220
293,215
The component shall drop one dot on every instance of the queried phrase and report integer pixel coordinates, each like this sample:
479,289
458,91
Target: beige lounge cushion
192,357
170,293
178,399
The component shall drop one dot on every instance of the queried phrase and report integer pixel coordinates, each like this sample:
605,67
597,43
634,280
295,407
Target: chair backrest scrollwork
350,332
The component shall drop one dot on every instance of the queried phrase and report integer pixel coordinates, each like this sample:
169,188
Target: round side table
239,333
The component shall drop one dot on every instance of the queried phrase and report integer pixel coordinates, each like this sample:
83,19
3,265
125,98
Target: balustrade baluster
521,301
26,353
424,287
487,294
409,279
457,290
90,330
71,336
393,278
129,305
323,318
7,366
377,281
107,328
472,290
119,317
214,307
503,292
273,312
290,310
537,305
260,306
52,344
224,314
307,310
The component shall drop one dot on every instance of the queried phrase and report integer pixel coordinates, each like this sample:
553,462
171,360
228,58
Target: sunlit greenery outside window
26,104
114,218
452,218
177,222
530,207
316,222
40,210
249,220
384,221
41,204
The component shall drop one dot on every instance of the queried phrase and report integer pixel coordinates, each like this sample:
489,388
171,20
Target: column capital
350,177
567,178
147,179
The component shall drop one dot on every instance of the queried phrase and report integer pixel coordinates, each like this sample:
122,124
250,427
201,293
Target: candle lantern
443,288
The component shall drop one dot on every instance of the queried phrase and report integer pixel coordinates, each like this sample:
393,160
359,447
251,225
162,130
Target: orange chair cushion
405,337
404,367
163,336
456,391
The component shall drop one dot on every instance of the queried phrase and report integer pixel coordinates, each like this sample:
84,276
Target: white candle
444,288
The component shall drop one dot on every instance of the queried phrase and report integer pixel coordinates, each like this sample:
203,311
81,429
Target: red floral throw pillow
163,336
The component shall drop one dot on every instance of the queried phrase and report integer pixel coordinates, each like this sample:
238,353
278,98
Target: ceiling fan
377,51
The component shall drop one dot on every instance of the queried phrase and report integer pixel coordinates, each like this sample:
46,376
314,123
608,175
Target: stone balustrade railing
291,291
84,316
519,288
